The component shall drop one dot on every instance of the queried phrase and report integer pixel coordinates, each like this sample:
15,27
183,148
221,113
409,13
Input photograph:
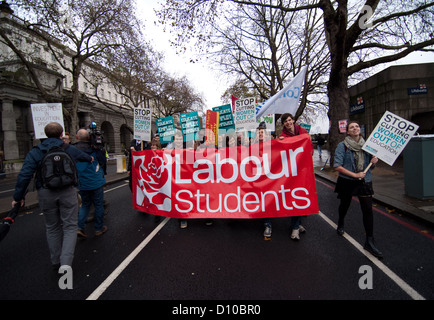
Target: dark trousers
366,206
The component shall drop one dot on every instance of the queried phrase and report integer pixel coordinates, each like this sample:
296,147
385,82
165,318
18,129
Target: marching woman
355,179
291,129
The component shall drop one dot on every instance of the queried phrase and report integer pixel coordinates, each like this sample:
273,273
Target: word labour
275,180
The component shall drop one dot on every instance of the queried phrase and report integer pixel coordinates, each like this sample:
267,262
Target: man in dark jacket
60,206
91,185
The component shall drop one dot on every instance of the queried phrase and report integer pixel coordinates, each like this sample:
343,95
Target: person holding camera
91,185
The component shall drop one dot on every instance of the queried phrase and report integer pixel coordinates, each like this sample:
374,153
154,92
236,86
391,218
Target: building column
9,126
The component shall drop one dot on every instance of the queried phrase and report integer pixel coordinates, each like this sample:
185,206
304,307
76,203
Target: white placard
44,113
390,137
142,124
245,114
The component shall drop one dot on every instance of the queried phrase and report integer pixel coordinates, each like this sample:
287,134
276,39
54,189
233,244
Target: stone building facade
405,90
18,91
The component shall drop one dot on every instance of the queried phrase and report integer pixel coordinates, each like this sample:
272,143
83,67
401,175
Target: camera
96,137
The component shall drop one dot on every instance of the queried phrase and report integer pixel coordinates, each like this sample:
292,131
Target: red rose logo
153,178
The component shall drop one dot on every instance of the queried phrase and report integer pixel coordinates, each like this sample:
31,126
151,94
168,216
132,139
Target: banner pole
367,168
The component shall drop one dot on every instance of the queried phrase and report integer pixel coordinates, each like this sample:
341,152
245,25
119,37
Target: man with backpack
91,184
55,181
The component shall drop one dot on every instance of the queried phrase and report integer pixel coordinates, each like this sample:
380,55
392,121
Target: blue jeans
295,222
87,198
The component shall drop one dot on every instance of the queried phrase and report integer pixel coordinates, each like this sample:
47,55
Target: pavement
389,188
388,183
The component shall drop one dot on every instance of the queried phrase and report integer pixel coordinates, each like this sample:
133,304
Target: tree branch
368,64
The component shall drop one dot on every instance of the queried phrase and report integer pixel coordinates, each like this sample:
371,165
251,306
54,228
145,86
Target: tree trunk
335,22
339,100
75,95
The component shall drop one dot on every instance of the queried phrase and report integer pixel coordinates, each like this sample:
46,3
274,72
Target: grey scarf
356,147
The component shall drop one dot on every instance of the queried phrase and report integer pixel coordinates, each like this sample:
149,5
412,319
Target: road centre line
112,277
393,276
122,185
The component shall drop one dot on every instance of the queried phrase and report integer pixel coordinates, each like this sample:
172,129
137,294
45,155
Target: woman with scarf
355,179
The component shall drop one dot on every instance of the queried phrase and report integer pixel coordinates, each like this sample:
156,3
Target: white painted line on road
122,185
112,277
7,190
392,275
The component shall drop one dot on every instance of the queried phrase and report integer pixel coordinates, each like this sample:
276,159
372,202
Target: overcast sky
201,77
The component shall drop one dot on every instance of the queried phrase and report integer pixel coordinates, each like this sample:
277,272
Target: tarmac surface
388,183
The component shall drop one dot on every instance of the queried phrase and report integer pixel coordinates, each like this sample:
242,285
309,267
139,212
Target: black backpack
57,169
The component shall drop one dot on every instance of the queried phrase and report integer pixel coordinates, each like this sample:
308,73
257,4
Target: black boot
370,246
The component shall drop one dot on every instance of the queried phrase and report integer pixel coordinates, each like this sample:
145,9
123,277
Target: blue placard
166,129
226,119
190,125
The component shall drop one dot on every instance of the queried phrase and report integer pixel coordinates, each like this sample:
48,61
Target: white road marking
122,185
112,277
393,276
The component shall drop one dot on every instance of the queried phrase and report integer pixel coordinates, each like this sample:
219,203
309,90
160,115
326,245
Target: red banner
271,179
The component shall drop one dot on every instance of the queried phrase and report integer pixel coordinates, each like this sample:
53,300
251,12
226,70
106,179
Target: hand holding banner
273,179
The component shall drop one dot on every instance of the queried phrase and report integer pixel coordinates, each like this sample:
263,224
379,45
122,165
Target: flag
286,100
233,102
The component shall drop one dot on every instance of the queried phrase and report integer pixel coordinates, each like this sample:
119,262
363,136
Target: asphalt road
226,261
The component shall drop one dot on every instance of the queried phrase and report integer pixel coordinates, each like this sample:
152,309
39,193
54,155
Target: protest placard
226,119
245,114
343,126
306,126
211,128
142,124
166,129
44,113
390,137
269,121
190,125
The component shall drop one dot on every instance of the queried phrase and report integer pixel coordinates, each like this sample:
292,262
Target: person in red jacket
291,129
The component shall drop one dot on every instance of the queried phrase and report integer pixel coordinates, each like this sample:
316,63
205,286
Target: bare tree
176,96
134,72
359,35
90,29
261,44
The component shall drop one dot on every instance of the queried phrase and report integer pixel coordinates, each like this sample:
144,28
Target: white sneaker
295,234
267,232
302,229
